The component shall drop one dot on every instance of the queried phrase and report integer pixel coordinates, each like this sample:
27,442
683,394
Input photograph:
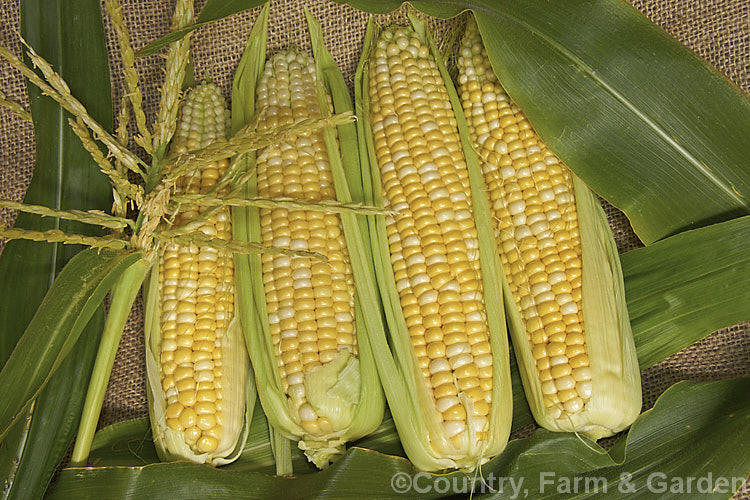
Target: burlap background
718,30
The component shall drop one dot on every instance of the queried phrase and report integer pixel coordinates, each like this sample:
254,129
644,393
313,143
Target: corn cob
455,359
310,304
317,393
541,225
198,381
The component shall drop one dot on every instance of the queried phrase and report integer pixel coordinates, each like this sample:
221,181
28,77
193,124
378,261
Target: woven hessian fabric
717,30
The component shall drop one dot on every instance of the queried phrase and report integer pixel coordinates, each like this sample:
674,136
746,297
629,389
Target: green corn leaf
65,176
357,471
678,289
36,444
710,419
53,421
129,443
126,443
66,309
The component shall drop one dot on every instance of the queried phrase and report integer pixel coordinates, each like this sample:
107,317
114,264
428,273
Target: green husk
345,390
122,298
409,400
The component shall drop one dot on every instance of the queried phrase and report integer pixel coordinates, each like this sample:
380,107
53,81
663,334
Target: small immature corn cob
456,350
198,408
556,277
310,304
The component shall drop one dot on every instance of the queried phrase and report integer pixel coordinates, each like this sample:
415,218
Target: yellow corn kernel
310,303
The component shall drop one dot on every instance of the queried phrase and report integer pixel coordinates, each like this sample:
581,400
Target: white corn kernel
443,404
439,365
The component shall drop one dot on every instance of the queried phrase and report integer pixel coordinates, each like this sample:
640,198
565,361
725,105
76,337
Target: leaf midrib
60,146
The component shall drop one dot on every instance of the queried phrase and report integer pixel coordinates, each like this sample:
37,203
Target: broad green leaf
521,411
359,470
38,442
692,444
678,290
130,443
66,309
54,419
212,11
377,7
65,176
126,443
623,104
